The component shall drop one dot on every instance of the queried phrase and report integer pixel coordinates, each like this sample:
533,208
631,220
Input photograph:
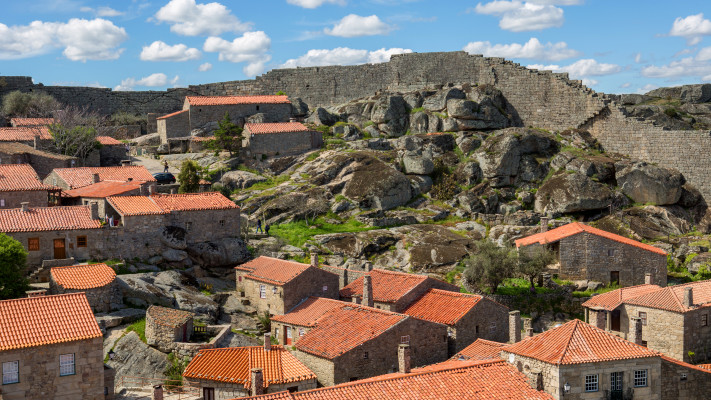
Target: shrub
13,259
18,104
189,177
174,370
490,266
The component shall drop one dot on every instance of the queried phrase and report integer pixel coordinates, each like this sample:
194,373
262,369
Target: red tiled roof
83,276
613,299
345,328
103,189
172,114
388,286
134,205
20,177
574,228
169,316
108,141
231,100
38,219
202,138
276,127
273,270
44,320
308,311
17,122
699,367
442,306
470,380
84,176
234,365
480,350
576,342
704,366
167,203
24,134
671,298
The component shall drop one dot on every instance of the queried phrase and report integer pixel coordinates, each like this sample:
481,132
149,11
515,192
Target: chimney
514,326
368,266
94,207
150,190
267,342
343,279
292,119
25,206
635,333
688,297
367,291
648,279
314,260
257,382
544,224
157,392
96,178
35,293
173,191
403,358
527,326
36,142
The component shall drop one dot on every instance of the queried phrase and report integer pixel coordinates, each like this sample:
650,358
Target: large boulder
226,251
569,192
391,114
240,179
419,122
299,108
438,100
173,237
321,116
295,205
418,164
647,183
137,359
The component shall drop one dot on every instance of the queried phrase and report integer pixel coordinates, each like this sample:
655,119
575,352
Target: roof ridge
81,265
43,297
570,339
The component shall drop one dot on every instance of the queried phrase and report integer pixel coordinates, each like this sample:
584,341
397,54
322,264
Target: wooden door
60,250
208,393
614,277
288,335
615,321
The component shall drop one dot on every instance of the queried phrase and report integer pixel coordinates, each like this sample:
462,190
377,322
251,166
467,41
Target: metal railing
173,388
200,328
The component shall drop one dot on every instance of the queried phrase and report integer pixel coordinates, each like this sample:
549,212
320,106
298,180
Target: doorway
615,321
208,393
288,335
614,277
60,249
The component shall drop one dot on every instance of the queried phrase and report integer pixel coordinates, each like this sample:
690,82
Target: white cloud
252,48
532,49
191,19
82,39
205,67
102,11
646,88
342,56
582,69
315,3
153,80
161,51
590,82
692,28
638,58
697,66
625,85
517,16
704,54
354,25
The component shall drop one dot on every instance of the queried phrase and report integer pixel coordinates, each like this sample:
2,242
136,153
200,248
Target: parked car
164,178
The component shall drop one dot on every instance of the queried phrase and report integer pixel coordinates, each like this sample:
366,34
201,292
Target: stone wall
663,332
487,320
278,144
46,244
39,372
42,162
697,337
201,115
164,337
226,391
174,126
102,299
14,199
112,155
680,382
532,368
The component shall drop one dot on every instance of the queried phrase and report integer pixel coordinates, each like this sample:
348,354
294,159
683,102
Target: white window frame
262,291
66,364
2,202
641,378
643,316
405,339
325,288
302,332
616,381
10,372
592,383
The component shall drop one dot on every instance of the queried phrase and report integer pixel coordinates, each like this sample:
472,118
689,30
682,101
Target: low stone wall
187,349
102,299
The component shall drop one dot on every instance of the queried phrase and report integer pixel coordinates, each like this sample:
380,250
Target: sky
618,46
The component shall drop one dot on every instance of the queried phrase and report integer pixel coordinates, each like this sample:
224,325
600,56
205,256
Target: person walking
165,166
266,229
259,226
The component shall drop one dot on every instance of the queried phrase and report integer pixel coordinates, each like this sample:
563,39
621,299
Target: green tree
228,136
35,104
13,262
533,260
74,131
189,177
490,266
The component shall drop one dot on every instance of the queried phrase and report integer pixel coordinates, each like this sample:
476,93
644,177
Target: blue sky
614,46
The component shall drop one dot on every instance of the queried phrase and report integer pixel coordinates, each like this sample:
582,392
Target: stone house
43,162
392,291
276,286
35,136
356,342
480,350
279,138
587,253
98,192
173,125
51,348
468,317
72,178
165,326
296,323
231,372
96,281
20,184
112,151
205,109
605,310
683,381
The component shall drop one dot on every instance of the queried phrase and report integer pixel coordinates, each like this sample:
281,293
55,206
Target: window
644,343
365,355
325,288
33,244
640,378
274,290
262,292
683,377
188,225
302,332
616,381
10,372
54,180
476,329
222,222
610,252
492,327
81,241
643,317
405,339
704,320
66,364
591,383
257,108
2,202
276,332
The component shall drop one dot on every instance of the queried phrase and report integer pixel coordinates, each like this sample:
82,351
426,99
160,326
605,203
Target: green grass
313,156
140,328
455,273
416,110
518,286
298,232
270,182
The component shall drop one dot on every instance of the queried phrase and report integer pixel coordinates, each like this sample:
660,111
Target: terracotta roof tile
574,228
17,122
202,138
704,366
47,219
20,177
480,350
24,134
576,342
103,189
345,328
671,298
43,320
167,203
21,148
273,270
84,176
613,299
172,114
234,365
309,311
134,205
232,100
470,380
108,141
83,276
169,316
388,286
698,367
442,306
276,127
